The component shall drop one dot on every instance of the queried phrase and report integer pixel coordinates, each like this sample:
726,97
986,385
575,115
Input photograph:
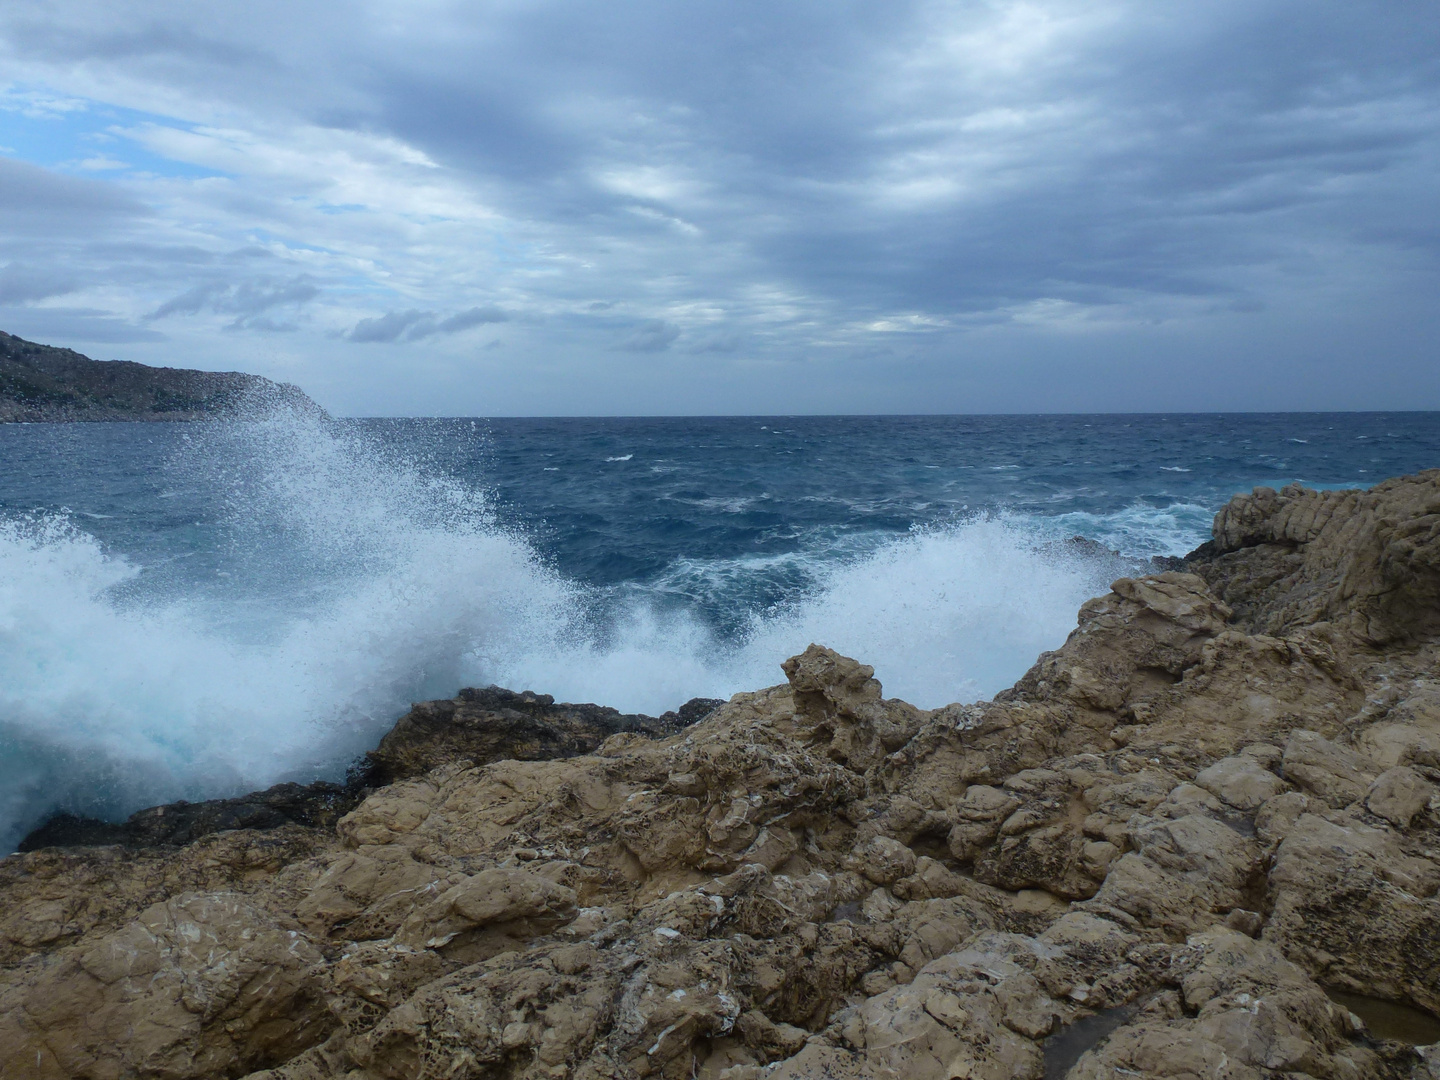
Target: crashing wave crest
364,581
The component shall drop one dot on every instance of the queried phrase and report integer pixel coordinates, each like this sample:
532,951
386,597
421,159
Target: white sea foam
943,615
399,585
1139,529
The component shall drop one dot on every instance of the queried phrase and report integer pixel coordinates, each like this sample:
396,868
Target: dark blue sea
189,610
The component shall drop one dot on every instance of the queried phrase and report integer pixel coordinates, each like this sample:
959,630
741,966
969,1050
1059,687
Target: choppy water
192,610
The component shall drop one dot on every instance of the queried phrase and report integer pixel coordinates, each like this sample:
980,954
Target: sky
487,208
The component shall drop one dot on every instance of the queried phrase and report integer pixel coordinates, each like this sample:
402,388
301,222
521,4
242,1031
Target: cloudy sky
487,207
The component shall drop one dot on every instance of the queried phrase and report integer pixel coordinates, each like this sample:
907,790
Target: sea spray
352,589
946,614
346,578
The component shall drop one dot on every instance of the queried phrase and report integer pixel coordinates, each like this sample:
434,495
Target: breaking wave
352,580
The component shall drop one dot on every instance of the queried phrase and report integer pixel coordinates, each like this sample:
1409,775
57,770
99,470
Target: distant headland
42,383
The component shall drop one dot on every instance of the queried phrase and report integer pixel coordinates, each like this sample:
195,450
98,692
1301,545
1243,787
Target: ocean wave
360,581
1140,530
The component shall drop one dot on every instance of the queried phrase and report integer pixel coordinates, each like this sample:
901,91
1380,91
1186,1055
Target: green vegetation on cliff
45,383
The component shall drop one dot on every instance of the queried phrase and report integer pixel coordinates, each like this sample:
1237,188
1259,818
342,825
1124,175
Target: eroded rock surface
482,725
1214,802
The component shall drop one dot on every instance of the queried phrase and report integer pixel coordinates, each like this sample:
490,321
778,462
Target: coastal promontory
42,383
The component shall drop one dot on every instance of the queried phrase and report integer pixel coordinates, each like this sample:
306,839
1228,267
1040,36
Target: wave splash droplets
943,615
360,580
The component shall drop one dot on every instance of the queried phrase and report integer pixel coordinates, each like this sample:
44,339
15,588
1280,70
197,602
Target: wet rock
493,724
478,725
318,805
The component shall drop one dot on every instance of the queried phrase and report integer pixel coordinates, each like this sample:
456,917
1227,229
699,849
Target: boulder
1332,773
1241,781
1398,795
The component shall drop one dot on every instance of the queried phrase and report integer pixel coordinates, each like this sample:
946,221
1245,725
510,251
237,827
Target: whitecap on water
363,581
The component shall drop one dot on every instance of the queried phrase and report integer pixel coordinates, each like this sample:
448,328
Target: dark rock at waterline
494,724
45,384
317,805
692,712
481,726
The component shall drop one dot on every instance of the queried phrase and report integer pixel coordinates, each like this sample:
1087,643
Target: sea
197,610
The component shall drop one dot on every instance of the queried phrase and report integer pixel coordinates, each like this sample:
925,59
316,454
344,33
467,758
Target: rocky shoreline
490,724
1170,850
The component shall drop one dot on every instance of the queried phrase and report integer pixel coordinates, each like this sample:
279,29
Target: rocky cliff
43,383
1166,852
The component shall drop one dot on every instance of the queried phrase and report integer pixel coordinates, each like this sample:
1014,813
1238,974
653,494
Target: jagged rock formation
494,724
479,726
44,383
1214,801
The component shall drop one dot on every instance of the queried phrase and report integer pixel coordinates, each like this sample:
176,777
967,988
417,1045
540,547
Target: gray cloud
388,327
476,316
79,325
714,343
36,201
956,188
20,284
414,325
248,301
653,335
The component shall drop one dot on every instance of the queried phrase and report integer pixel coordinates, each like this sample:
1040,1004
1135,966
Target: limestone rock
1398,794
1332,773
885,861
1277,816
1241,781
1248,1014
1357,904
1185,874
199,986
838,697
812,880
1369,560
511,903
